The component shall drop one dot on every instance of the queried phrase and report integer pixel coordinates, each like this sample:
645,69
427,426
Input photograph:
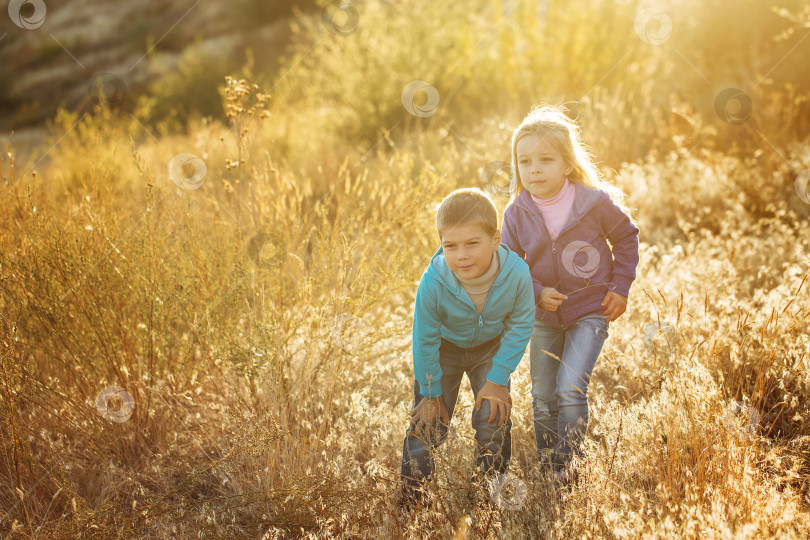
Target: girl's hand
551,298
614,304
423,416
500,402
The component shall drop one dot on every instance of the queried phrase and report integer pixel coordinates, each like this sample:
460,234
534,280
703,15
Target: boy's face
541,166
468,249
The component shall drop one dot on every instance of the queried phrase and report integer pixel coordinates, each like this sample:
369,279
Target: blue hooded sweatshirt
443,309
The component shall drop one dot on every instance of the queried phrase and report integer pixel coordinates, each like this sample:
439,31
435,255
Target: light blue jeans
560,387
493,444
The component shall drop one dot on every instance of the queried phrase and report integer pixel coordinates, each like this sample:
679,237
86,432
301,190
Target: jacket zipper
481,315
576,222
553,258
556,274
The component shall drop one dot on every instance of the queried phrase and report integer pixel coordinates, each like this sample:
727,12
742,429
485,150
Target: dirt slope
57,59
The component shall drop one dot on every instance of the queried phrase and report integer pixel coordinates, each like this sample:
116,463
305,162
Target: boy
474,314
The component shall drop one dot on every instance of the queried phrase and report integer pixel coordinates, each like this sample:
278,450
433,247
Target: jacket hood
440,270
585,199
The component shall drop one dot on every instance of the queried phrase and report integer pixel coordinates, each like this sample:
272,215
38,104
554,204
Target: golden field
253,300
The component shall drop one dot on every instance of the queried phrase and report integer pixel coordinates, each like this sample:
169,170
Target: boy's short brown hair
467,206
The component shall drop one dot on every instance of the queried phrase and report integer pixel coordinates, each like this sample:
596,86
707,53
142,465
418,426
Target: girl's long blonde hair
550,122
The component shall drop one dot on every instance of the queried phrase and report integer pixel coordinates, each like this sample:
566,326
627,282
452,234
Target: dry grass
261,323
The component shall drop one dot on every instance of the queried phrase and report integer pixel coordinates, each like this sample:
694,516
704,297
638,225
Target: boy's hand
500,402
551,298
423,416
614,304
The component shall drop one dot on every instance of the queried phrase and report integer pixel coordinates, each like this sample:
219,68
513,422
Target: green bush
486,57
254,13
185,90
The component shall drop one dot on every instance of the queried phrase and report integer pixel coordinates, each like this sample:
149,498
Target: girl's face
541,167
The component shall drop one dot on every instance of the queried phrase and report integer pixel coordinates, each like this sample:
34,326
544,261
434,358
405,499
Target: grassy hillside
54,57
206,316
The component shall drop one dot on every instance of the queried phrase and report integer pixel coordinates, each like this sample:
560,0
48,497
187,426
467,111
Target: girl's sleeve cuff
621,285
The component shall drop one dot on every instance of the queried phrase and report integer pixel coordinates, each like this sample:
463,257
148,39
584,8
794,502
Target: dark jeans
493,444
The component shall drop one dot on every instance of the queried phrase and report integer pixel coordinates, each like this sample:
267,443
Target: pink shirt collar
564,192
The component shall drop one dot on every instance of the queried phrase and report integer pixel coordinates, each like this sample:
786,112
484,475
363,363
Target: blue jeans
493,444
560,387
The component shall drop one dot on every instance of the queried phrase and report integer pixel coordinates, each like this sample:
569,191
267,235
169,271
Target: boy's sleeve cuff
499,375
434,389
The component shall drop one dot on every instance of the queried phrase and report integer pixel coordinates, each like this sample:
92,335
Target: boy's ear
497,238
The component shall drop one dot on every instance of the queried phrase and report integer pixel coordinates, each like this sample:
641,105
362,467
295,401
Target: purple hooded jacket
579,263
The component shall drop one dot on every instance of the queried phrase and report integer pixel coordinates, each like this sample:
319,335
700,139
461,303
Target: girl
561,218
